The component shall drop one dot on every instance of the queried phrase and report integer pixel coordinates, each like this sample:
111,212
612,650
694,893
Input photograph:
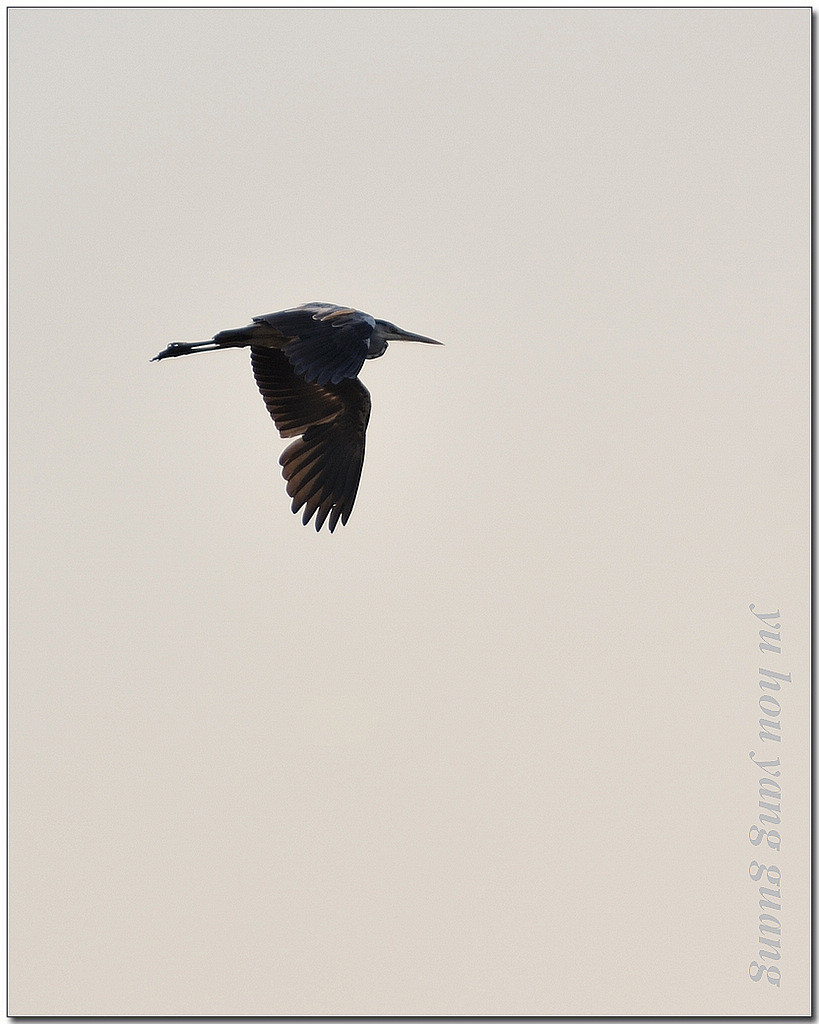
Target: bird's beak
396,334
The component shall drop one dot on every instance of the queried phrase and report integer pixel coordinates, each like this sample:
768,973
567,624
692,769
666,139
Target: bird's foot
176,348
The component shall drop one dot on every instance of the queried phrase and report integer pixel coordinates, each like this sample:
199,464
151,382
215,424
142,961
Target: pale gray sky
484,750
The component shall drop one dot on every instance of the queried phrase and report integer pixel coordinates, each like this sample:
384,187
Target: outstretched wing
323,467
327,343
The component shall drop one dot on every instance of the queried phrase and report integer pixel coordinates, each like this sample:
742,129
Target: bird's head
385,332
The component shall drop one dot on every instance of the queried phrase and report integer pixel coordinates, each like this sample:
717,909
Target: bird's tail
238,337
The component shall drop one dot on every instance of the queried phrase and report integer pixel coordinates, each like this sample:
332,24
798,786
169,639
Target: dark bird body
306,363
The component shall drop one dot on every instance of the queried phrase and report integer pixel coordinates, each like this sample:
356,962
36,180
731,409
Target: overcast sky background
484,750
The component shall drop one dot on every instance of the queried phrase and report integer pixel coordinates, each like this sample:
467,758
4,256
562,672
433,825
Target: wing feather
323,466
324,343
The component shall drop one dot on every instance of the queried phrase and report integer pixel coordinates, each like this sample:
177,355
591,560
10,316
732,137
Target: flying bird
306,363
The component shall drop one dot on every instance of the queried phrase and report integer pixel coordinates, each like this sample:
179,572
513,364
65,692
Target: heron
306,363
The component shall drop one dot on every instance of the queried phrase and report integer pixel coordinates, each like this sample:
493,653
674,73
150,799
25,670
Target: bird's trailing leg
183,348
238,338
